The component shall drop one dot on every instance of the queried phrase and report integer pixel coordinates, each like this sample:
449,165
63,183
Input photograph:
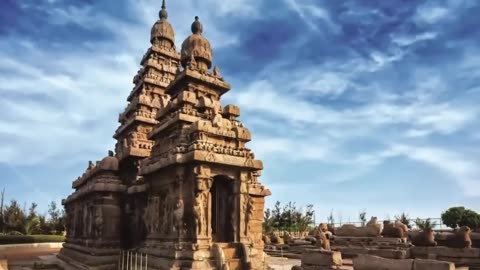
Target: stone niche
94,217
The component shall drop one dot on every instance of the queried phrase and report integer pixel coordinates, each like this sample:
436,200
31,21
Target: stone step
234,264
230,253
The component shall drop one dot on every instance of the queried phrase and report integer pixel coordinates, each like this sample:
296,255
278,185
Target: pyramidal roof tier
158,68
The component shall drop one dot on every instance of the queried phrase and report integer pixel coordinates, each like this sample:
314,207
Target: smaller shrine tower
205,206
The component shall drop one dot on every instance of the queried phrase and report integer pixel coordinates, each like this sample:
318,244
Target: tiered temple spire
159,66
182,182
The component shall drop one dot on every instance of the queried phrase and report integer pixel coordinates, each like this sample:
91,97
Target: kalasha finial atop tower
163,12
198,47
162,30
197,27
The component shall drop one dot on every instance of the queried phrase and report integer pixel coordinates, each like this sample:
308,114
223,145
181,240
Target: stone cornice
137,118
149,166
100,185
205,77
167,52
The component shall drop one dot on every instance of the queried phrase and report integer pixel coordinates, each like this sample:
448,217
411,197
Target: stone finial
197,46
90,165
197,27
162,30
163,12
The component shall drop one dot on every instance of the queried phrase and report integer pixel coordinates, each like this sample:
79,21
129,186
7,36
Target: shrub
29,239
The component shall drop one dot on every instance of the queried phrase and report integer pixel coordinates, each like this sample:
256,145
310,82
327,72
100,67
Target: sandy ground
23,258
27,254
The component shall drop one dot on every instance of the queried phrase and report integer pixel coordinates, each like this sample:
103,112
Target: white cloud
431,14
407,40
311,12
464,171
320,83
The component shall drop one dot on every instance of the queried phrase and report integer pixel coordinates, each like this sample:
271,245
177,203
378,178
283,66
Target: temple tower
205,203
158,68
182,185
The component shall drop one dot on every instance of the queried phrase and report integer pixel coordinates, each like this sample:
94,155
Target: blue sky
352,105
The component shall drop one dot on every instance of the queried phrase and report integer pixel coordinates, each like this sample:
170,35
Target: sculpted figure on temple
178,215
216,72
372,229
249,214
192,64
233,213
151,215
98,222
460,239
199,215
156,102
90,165
424,238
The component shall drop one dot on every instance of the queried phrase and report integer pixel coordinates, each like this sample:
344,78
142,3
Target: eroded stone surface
369,262
318,257
419,264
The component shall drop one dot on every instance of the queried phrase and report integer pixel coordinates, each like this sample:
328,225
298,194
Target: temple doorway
221,191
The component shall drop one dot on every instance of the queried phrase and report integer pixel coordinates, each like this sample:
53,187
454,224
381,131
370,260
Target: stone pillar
202,204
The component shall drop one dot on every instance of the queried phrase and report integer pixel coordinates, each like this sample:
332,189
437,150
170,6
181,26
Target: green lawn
29,239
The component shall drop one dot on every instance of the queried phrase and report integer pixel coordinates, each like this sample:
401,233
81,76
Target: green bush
29,239
459,216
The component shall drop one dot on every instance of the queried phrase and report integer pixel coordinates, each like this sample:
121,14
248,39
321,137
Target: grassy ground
29,239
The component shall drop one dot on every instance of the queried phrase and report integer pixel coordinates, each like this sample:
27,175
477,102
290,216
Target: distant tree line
288,218
15,220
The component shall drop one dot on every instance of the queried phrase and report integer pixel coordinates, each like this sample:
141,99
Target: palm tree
404,219
425,224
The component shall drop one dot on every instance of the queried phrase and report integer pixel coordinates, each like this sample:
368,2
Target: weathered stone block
389,253
231,110
321,257
445,252
369,262
419,264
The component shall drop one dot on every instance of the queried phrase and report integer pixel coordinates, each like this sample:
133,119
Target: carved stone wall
94,216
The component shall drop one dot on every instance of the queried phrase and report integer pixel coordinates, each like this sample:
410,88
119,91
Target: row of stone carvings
150,111
164,214
137,143
85,222
162,64
203,146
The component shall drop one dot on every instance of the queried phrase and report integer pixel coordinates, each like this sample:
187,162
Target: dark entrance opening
222,230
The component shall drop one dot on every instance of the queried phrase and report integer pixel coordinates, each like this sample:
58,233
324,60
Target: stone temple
181,186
